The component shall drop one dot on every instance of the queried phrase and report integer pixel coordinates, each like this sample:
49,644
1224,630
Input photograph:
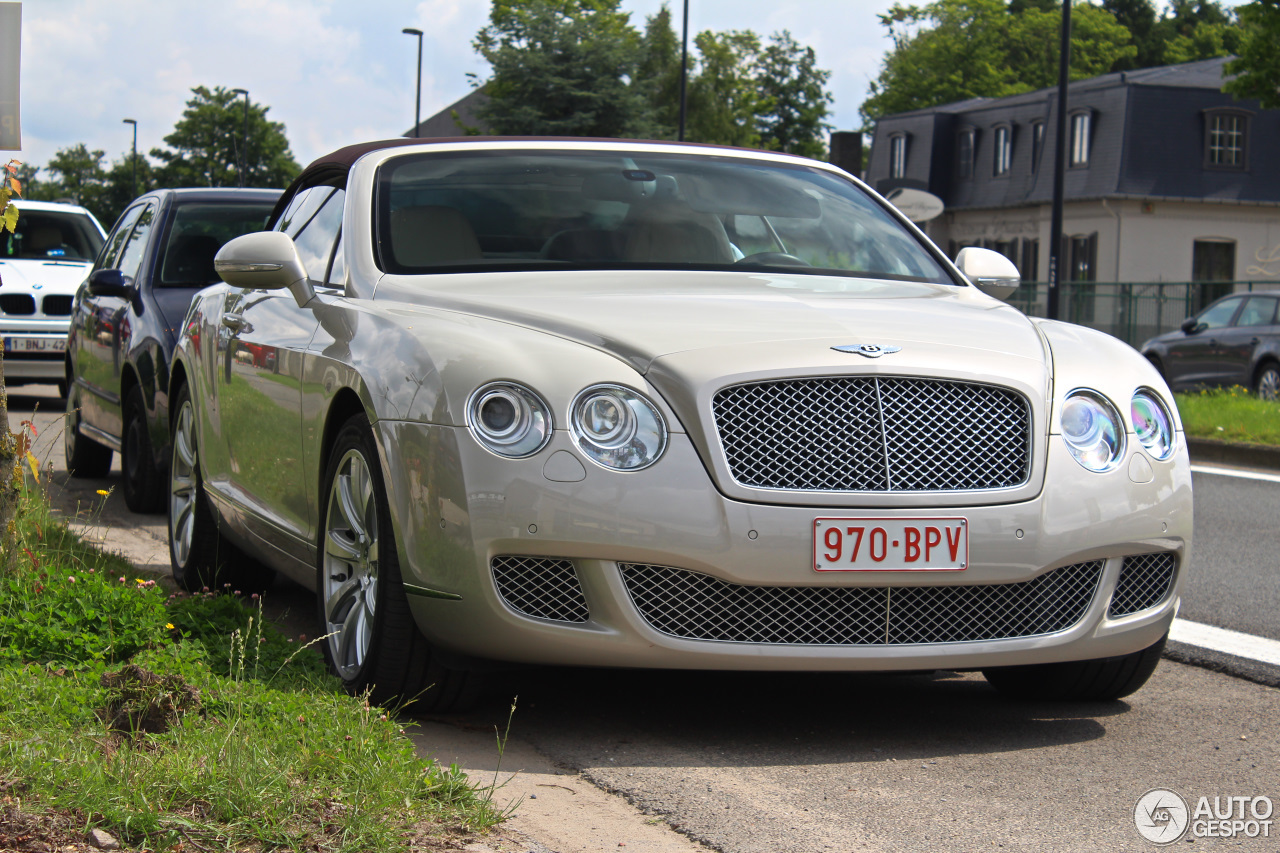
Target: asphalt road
752,763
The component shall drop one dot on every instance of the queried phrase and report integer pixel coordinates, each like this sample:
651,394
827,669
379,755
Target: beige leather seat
432,235
676,234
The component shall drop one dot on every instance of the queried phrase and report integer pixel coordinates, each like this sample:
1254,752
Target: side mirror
264,260
990,272
110,283
1190,325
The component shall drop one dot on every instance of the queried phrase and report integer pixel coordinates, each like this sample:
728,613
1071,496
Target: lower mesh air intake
1145,581
541,587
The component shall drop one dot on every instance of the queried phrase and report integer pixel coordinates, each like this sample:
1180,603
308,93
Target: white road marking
1234,472
1227,642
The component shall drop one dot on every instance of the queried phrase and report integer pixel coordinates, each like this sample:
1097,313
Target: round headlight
1152,423
617,428
1093,431
509,419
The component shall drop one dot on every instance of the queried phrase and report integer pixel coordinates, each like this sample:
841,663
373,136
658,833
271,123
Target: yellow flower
168,626
138,580
103,492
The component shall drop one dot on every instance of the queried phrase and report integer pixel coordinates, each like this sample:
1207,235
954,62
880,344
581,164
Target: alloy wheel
350,576
1269,383
182,484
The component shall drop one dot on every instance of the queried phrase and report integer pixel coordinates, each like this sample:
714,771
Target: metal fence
1131,310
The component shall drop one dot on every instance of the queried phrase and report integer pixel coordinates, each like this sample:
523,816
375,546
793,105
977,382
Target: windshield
52,235
199,230
455,211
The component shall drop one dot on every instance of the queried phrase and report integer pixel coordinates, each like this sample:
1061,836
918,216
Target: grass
183,722
1230,414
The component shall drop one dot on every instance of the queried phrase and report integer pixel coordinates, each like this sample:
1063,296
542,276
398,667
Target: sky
334,73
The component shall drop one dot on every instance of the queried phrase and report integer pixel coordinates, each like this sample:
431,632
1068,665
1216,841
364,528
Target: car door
261,382
100,324
1197,357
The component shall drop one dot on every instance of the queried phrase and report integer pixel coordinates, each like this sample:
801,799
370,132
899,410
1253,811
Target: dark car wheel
1079,681
198,553
85,457
143,491
372,642
1267,385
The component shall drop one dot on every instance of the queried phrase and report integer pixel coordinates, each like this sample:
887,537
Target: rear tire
1079,681
198,553
85,457
372,640
1267,384
143,491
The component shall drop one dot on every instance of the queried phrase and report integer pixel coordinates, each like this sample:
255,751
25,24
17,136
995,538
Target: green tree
1257,68
794,98
658,72
1139,18
204,147
1196,29
76,173
562,68
723,96
954,50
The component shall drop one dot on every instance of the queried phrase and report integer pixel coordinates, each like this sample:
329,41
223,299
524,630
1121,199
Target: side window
131,257
1258,311
315,237
111,251
1219,315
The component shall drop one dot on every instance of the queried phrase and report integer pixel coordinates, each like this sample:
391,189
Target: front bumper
47,364
457,507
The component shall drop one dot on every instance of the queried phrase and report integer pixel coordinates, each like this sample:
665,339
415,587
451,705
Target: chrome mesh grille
1145,581
541,587
695,606
874,434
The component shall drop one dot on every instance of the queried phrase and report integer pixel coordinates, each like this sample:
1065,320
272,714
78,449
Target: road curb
1234,453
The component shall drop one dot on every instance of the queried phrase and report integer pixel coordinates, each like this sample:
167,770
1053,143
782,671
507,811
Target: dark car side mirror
110,283
1190,325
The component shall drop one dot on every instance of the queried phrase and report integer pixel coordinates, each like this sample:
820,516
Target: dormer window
1003,150
1081,126
898,155
1226,139
1037,143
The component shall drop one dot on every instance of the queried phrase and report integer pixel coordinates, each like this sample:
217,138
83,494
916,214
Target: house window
1030,265
1083,271
898,155
1080,139
1037,143
966,144
1003,150
1226,134
1213,262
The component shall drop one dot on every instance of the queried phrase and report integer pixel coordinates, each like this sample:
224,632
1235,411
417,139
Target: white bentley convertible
655,405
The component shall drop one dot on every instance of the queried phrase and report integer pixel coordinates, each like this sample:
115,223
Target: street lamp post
135,153
1054,307
417,101
244,148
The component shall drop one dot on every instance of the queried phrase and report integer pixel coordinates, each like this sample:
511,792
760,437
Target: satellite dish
916,205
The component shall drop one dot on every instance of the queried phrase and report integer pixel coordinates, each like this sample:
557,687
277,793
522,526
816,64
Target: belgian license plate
15,344
890,544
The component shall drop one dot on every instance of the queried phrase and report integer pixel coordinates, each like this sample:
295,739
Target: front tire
142,487
1079,681
198,553
372,642
85,457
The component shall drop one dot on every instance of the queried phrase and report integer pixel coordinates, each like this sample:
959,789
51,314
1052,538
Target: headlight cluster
1094,431
612,425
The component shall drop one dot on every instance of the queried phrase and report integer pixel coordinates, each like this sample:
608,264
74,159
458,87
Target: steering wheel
773,259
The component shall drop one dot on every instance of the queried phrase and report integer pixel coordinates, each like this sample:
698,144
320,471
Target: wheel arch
346,404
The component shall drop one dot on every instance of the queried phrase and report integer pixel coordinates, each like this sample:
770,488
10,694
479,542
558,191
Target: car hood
741,318
42,277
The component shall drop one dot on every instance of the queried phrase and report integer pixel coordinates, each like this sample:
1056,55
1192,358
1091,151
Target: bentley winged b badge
869,350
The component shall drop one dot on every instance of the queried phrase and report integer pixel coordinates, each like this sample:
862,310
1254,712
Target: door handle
234,322
1254,342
